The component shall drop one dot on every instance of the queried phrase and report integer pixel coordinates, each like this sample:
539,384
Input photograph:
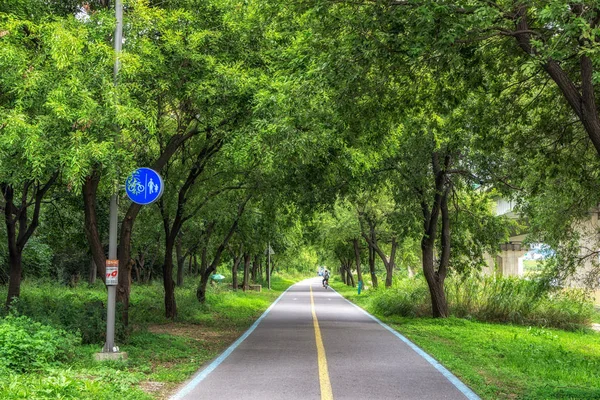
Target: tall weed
407,298
490,299
518,301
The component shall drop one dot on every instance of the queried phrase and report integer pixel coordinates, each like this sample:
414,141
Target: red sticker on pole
112,272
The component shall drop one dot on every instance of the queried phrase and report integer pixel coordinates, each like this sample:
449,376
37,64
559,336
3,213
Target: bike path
313,344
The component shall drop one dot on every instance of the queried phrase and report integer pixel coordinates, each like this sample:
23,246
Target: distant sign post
269,252
144,186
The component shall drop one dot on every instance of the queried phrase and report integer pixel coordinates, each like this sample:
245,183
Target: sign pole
109,346
111,285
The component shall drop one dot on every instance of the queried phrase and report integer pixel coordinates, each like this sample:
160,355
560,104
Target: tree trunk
137,271
203,262
124,285
350,277
90,187
254,269
372,265
14,280
357,259
93,271
247,259
435,279
201,290
169,285
234,270
343,273
124,250
390,264
439,306
26,227
180,262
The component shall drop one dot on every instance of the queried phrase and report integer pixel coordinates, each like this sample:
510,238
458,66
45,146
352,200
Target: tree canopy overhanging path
314,344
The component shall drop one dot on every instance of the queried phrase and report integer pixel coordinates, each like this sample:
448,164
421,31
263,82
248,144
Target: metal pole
118,36
109,346
269,262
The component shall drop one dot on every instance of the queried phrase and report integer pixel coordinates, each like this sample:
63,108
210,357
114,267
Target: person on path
325,278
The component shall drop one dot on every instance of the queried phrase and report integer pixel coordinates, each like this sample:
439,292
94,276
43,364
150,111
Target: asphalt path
313,344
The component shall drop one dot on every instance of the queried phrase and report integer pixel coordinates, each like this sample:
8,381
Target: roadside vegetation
524,359
490,299
48,341
367,136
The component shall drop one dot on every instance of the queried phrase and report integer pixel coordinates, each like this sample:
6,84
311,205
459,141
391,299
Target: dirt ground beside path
213,339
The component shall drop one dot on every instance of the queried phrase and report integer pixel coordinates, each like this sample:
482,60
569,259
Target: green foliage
72,309
233,308
488,299
519,301
407,297
37,258
68,384
27,346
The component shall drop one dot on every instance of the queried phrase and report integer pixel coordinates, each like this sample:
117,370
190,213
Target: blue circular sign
144,186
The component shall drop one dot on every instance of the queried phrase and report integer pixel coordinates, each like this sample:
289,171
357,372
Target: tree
376,213
161,111
228,228
48,100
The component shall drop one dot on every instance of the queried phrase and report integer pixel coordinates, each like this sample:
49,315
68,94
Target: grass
162,353
532,267
596,315
504,361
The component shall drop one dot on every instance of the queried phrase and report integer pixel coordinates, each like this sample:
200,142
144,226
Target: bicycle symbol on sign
134,185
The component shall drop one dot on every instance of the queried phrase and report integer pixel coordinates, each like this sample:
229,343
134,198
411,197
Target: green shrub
568,309
72,309
407,298
67,384
37,258
493,299
518,301
26,345
490,299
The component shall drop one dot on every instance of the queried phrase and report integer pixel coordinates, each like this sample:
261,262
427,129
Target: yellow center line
326,393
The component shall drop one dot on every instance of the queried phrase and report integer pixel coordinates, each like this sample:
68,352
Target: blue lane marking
449,375
202,375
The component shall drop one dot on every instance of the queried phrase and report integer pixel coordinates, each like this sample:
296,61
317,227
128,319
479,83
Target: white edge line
449,375
211,367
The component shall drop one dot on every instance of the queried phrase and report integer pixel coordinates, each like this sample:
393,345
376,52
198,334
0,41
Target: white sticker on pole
112,272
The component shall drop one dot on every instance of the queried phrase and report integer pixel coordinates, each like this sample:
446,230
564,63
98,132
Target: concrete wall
509,261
